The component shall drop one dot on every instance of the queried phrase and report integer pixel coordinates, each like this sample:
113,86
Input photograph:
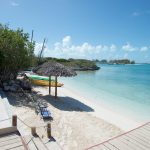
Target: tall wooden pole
49,85
33,131
14,120
55,86
49,130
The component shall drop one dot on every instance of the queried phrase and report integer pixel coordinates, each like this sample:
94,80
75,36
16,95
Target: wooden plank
18,148
143,129
146,144
29,142
142,138
9,137
39,144
147,128
141,135
135,143
129,144
31,146
8,130
13,145
10,142
120,144
148,124
110,146
144,133
137,139
100,147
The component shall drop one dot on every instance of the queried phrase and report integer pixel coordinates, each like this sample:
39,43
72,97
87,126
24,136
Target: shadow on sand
67,104
62,103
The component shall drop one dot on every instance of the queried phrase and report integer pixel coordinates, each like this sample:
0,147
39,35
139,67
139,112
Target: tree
16,52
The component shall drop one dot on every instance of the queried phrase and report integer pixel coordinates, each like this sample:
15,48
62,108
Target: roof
54,69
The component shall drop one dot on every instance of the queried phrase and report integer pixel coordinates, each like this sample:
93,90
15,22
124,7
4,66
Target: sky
85,29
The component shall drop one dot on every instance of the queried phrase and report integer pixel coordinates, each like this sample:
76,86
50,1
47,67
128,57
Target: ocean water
124,89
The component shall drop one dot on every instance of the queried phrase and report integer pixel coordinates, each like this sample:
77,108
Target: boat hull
45,83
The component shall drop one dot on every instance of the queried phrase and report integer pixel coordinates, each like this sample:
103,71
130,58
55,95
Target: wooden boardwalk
136,139
12,141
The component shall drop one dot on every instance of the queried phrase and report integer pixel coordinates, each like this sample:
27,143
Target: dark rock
5,84
11,82
25,85
6,88
13,88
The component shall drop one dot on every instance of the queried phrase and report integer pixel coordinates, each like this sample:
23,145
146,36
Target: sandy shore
102,112
77,123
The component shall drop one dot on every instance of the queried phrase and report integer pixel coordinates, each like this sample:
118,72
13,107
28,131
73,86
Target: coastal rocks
6,88
15,85
86,68
25,84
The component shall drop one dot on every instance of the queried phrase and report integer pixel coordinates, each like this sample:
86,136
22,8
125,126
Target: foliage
76,64
121,61
16,52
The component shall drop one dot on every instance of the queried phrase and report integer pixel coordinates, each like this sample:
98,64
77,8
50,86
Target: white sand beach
77,123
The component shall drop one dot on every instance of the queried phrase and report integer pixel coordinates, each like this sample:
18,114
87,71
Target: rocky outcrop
85,68
15,85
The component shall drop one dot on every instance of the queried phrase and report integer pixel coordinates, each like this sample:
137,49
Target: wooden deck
12,141
136,139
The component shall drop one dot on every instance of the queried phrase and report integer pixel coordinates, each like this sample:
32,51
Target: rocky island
116,61
76,64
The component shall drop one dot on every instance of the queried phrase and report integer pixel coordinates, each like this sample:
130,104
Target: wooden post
49,85
33,131
55,86
14,120
49,130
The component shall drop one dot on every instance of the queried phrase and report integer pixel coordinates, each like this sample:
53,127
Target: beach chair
45,113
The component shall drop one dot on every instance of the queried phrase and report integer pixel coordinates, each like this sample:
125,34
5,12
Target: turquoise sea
124,89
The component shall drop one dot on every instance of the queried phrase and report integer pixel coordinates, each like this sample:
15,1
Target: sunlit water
124,89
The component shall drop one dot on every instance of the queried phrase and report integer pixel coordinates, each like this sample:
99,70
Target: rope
30,126
24,122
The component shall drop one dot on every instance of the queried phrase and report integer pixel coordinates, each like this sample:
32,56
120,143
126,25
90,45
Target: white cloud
66,41
14,4
38,47
66,49
129,47
144,48
113,48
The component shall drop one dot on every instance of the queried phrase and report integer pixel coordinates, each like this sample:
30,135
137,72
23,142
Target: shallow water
124,89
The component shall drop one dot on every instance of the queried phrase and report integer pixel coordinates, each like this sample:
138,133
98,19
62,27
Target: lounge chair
45,113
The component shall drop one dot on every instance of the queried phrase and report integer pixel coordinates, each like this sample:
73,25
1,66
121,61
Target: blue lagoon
124,89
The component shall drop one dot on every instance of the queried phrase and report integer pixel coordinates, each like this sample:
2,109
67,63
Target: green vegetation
16,52
76,64
120,61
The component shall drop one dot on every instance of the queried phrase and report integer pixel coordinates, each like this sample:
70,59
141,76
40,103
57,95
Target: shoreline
77,123
101,112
